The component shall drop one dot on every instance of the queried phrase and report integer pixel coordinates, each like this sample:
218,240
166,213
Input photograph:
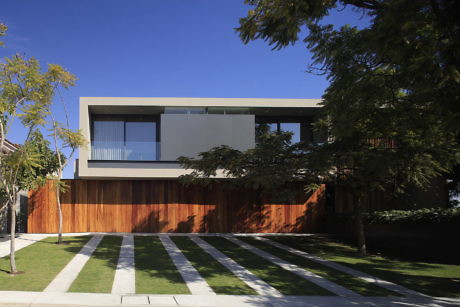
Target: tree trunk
60,213
359,226
13,269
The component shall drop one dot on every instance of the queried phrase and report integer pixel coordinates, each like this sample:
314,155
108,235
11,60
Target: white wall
190,134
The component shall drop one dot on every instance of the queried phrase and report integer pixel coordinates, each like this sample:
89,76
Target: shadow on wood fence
168,206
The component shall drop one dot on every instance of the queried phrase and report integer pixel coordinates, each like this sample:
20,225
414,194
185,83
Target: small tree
25,169
26,93
64,139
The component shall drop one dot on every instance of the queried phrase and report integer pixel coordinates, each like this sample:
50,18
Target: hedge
420,216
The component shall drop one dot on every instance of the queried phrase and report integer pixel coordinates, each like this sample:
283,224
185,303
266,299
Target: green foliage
268,167
432,216
27,92
31,164
47,165
3,29
419,216
392,107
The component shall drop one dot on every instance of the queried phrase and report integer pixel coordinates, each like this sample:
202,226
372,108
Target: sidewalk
20,298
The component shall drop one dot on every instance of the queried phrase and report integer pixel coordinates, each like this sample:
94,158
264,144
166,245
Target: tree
392,106
267,168
26,93
25,169
63,138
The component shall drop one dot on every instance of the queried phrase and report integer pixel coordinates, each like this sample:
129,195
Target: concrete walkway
316,279
63,281
260,286
36,299
22,241
196,284
125,279
369,278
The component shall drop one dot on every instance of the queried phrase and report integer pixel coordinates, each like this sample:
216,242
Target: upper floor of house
143,137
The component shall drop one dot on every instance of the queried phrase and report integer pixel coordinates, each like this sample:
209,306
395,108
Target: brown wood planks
168,206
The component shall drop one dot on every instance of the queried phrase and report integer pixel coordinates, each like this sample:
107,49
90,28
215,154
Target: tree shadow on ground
413,275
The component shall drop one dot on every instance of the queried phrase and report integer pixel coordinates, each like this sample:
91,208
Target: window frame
127,118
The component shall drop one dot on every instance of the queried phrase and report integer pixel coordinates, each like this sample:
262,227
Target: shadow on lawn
152,258
412,275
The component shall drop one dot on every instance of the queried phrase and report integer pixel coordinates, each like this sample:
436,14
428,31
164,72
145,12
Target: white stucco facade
180,134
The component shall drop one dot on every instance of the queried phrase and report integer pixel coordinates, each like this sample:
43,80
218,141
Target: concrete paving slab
23,240
65,278
162,300
125,279
194,281
99,299
316,279
367,277
135,300
260,286
42,299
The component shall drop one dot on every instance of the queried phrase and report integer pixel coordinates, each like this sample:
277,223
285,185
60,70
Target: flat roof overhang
156,105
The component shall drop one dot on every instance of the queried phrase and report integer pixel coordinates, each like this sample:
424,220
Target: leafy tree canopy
396,81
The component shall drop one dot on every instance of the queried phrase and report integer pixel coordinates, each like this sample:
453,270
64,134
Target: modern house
140,138
126,178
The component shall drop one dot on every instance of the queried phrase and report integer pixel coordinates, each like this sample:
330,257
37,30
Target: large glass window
300,128
115,138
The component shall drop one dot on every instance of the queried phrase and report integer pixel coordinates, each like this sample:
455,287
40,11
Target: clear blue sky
148,48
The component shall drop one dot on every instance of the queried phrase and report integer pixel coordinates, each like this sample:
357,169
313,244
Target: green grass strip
41,262
219,278
155,271
433,279
98,273
286,282
350,282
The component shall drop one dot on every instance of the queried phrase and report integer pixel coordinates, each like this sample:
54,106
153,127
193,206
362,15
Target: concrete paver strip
68,299
260,286
63,281
125,279
367,277
193,279
22,241
316,279
135,300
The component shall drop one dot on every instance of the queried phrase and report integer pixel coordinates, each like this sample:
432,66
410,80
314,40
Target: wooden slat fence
168,206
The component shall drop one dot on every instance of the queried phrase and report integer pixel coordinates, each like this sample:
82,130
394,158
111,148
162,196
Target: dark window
125,138
299,127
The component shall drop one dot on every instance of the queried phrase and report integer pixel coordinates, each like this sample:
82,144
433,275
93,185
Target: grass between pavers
434,279
350,282
219,278
286,282
99,272
41,262
155,271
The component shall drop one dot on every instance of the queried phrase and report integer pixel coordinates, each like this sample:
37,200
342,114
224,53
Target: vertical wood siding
168,206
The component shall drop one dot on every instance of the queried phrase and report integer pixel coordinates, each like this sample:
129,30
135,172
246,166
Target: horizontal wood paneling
168,206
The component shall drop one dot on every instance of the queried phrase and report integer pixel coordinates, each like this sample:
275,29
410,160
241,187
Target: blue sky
148,48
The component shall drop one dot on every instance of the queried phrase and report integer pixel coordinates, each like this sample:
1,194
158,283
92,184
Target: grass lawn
155,271
41,262
286,282
434,279
98,273
353,283
219,278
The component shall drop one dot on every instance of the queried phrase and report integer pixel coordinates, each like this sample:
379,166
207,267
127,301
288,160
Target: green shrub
420,216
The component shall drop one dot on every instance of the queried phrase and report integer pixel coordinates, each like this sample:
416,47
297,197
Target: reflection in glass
140,141
294,128
124,140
